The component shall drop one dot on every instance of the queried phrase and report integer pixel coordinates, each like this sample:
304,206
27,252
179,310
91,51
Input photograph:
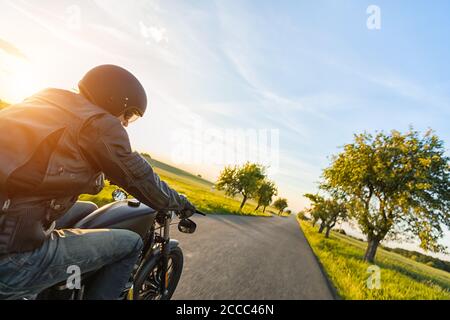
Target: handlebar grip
200,213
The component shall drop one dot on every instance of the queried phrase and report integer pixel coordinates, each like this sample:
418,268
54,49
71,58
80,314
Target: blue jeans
112,252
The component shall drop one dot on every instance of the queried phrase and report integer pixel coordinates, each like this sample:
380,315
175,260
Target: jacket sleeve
105,144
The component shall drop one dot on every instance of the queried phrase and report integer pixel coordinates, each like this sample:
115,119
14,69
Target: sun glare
19,79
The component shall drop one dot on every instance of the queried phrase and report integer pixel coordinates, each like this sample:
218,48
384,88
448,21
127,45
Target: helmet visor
131,115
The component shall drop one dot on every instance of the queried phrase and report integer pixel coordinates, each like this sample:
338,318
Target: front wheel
148,282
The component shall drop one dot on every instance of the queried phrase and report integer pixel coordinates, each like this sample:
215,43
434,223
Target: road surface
238,257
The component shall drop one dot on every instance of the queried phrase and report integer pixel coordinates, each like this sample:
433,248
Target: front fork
165,251
164,240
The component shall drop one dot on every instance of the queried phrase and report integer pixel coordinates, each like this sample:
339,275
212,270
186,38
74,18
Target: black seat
78,211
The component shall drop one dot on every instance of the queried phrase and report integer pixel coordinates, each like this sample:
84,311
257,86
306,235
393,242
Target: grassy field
3,104
401,277
199,191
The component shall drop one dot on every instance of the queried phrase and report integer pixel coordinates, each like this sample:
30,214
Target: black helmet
115,90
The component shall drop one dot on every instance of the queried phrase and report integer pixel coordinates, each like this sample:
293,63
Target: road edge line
330,284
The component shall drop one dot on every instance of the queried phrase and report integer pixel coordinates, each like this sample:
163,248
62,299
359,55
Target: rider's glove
188,210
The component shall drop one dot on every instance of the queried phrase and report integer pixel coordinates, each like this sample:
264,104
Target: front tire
148,282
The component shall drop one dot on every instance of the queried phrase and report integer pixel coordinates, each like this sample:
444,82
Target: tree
280,204
395,184
314,211
328,211
314,216
302,215
266,191
243,180
146,155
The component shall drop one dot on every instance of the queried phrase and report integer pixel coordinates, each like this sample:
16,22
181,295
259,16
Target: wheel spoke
151,287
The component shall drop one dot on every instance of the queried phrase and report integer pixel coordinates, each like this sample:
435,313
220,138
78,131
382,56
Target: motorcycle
159,267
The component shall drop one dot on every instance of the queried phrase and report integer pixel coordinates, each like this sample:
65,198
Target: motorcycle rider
56,145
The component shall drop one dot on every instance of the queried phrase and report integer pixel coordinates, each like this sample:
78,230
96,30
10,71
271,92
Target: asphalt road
237,257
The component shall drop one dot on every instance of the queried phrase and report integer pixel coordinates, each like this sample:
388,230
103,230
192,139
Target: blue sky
310,69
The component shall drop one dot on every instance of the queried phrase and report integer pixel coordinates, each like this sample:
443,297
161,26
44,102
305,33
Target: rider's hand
188,210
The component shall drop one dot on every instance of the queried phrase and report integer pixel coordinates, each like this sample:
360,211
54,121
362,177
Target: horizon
310,74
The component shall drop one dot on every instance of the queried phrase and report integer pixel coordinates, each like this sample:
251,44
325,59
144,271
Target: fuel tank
126,214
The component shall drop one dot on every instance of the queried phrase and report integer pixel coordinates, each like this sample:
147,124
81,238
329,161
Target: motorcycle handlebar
195,212
199,212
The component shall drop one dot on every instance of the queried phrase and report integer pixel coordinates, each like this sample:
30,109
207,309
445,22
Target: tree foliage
266,191
394,184
244,180
327,211
280,204
302,215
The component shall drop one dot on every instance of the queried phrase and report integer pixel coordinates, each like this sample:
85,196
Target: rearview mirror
119,195
187,226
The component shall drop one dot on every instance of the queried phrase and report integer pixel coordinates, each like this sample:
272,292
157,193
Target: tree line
251,182
394,186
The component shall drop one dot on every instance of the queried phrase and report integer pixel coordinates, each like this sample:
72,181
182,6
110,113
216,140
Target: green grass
199,191
401,278
285,215
3,104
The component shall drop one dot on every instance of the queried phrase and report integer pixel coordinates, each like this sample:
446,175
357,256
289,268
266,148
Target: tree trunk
329,227
257,207
243,203
264,210
371,250
322,226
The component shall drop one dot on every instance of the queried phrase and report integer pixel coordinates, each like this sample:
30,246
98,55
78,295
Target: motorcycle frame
159,244
154,244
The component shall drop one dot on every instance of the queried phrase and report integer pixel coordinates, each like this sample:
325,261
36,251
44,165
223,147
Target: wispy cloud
413,91
232,64
386,80
11,49
52,23
158,34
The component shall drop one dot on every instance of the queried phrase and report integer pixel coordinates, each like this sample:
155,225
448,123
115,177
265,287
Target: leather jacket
104,141
55,146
